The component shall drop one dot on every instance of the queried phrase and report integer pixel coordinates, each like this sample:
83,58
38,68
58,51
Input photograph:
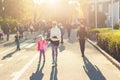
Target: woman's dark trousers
82,46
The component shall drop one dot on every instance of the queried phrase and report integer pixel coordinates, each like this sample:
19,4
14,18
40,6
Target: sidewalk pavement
110,58
72,66
26,36
11,38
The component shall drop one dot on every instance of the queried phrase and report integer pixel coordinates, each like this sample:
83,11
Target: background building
105,7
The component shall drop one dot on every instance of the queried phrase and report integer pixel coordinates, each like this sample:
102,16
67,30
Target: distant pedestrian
1,33
26,31
47,35
31,29
21,31
7,31
69,30
55,37
17,41
17,28
42,47
62,32
81,35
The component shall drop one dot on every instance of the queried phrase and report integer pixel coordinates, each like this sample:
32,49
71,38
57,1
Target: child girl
42,47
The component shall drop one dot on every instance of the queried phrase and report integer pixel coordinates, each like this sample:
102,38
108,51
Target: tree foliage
17,8
25,9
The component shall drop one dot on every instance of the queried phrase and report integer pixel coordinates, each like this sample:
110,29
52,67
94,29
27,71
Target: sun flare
45,1
36,1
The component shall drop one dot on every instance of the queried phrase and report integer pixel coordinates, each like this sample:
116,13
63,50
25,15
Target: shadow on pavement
9,43
61,47
38,75
92,70
9,55
54,72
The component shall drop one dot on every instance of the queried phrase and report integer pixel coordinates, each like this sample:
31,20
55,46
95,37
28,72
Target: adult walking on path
62,32
20,29
7,31
81,35
1,33
69,30
55,37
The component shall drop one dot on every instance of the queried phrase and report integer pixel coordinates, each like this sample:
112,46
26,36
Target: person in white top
55,37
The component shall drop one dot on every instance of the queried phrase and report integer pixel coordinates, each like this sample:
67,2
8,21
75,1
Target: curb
111,59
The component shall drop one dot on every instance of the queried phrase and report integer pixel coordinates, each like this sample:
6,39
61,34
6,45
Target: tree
84,4
18,8
24,10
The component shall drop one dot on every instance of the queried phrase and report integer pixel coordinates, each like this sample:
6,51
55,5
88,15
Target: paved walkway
23,65
71,66
5,38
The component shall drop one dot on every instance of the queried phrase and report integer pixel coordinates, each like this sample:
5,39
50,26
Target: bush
116,26
110,43
92,34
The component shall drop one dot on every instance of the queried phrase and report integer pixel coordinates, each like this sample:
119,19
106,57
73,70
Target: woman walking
55,37
81,35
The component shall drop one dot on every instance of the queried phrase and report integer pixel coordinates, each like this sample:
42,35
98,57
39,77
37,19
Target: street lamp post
95,13
3,8
87,11
112,16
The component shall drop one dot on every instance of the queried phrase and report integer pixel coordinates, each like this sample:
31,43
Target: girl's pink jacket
43,45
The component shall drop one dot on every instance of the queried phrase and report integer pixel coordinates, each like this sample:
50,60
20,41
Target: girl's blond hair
41,36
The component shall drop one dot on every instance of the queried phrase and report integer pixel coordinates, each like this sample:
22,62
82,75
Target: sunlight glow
45,1
36,1
52,1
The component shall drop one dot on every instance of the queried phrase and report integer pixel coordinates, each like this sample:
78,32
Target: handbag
55,42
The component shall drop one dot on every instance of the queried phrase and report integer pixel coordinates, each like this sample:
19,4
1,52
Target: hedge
110,43
91,34
117,25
